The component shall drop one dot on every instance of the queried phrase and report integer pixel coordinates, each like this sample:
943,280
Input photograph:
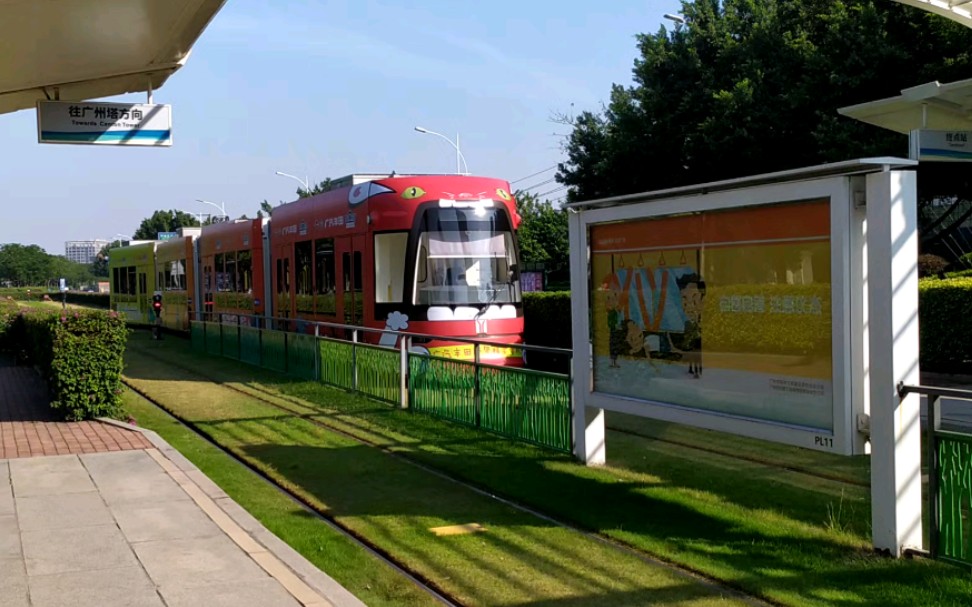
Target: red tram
431,254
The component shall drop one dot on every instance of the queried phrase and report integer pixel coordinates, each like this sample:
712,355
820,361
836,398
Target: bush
547,322
79,354
88,300
945,322
931,265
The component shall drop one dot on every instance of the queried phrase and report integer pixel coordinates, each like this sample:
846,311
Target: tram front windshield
466,257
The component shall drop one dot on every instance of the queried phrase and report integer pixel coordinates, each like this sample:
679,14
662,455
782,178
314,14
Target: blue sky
325,89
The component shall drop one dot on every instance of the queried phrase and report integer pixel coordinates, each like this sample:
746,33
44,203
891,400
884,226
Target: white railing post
354,360
403,372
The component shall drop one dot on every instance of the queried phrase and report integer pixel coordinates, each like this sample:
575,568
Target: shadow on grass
701,514
776,563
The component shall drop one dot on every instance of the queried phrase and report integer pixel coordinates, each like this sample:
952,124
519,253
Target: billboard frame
844,186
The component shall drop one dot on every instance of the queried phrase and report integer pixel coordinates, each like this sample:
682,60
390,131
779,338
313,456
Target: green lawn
519,559
759,523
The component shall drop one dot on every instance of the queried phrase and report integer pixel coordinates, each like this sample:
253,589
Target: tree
164,221
24,265
324,186
543,232
747,87
320,188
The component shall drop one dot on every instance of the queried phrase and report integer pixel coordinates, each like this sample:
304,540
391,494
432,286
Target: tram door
350,252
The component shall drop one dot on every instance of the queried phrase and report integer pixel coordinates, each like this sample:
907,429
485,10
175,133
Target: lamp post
220,206
455,144
676,18
304,182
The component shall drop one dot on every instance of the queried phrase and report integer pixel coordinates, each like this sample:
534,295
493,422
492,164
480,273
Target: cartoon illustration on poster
726,311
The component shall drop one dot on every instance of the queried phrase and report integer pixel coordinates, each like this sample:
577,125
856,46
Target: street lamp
304,182
123,237
220,206
455,145
676,18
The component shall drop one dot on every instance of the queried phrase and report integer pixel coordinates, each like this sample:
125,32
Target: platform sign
97,122
166,235
941,146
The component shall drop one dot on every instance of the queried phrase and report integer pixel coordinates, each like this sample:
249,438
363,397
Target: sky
325,89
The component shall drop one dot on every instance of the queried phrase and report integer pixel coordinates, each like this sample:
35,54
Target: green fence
949,459
531,406
952,535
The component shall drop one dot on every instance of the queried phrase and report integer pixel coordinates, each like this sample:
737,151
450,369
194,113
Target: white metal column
892,295
588,423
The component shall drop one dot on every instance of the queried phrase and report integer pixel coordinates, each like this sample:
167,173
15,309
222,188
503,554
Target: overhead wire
535,174
536,185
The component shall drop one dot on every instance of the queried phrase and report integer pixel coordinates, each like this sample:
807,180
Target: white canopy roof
956,10
85,49
933,106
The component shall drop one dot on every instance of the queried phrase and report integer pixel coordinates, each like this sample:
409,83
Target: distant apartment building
83,251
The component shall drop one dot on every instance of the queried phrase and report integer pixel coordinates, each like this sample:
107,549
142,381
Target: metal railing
949,459
525,404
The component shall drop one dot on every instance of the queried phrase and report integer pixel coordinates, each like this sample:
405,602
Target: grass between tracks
780,534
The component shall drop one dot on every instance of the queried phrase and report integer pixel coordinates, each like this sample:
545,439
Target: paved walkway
98,514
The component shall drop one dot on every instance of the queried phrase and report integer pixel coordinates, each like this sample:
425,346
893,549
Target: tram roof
86,49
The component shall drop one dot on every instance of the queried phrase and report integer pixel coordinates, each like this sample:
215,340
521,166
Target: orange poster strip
788,221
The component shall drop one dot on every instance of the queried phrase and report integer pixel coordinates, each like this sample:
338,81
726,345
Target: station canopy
956,10
86,49
936,106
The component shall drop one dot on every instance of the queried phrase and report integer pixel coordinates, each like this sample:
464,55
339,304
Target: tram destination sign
97,122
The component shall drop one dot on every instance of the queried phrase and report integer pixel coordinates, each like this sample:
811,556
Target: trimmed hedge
79,354
546,322
945,322
89,300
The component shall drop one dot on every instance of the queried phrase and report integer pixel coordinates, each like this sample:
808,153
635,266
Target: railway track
311,414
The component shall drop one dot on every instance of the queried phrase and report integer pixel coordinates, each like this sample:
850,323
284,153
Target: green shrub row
89,300
944,316
546,322
945,324
79,354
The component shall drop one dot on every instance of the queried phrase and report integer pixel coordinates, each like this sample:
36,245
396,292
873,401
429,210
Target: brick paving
29,428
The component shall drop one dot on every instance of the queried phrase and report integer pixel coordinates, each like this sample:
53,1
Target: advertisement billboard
726,311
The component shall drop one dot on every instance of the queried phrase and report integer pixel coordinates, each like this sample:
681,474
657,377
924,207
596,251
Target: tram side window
352,272
226,271
324,276
230,269
390,252
129,280
303,268
244,267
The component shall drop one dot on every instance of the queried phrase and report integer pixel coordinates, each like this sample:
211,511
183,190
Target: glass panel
390,256
466,257
725,311
229,271
244,266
